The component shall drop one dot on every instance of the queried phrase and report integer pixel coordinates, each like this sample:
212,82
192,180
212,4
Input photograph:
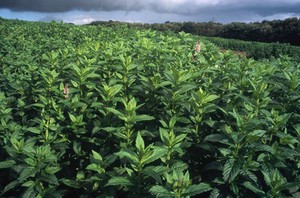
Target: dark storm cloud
182,7
68,5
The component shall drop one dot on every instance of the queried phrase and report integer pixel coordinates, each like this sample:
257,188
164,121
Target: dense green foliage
93,111
283,31
258,50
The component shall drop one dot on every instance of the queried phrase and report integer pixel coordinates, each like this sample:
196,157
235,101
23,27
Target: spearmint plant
94,111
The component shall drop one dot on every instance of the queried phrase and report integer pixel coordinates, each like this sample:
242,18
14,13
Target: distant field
258,50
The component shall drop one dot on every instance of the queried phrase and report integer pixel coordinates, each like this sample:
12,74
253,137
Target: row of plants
91,111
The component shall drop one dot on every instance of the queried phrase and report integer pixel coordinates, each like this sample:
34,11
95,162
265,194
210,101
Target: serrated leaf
254,189
230,170
257,147
251,176
266,178
197,189
215,193
119,181
288,185
161,192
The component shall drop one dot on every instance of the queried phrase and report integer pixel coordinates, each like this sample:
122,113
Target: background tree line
283,31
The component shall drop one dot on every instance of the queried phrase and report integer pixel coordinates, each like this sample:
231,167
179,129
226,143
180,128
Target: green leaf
30,161
116,112
7,164
225,151
128,154
76,68
33,130
28,184
254,189
155,172
267,178
179,139
139,142
197,189
119,181
26,173
251,176
257,147
288,185
157,153
161,192
216,138
97,156
10,186
210,98
114,90
52,170
29,193
95,167
74,83
215,193
164,135
172,122
140,118
73,118
255,135
70,183
230,170
51,179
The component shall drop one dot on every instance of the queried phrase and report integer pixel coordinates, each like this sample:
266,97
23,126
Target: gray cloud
84,11
184,7
68,5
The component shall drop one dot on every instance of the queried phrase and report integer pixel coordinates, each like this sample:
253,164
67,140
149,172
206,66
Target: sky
149,11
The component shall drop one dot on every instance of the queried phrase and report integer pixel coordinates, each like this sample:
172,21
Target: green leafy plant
95,111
